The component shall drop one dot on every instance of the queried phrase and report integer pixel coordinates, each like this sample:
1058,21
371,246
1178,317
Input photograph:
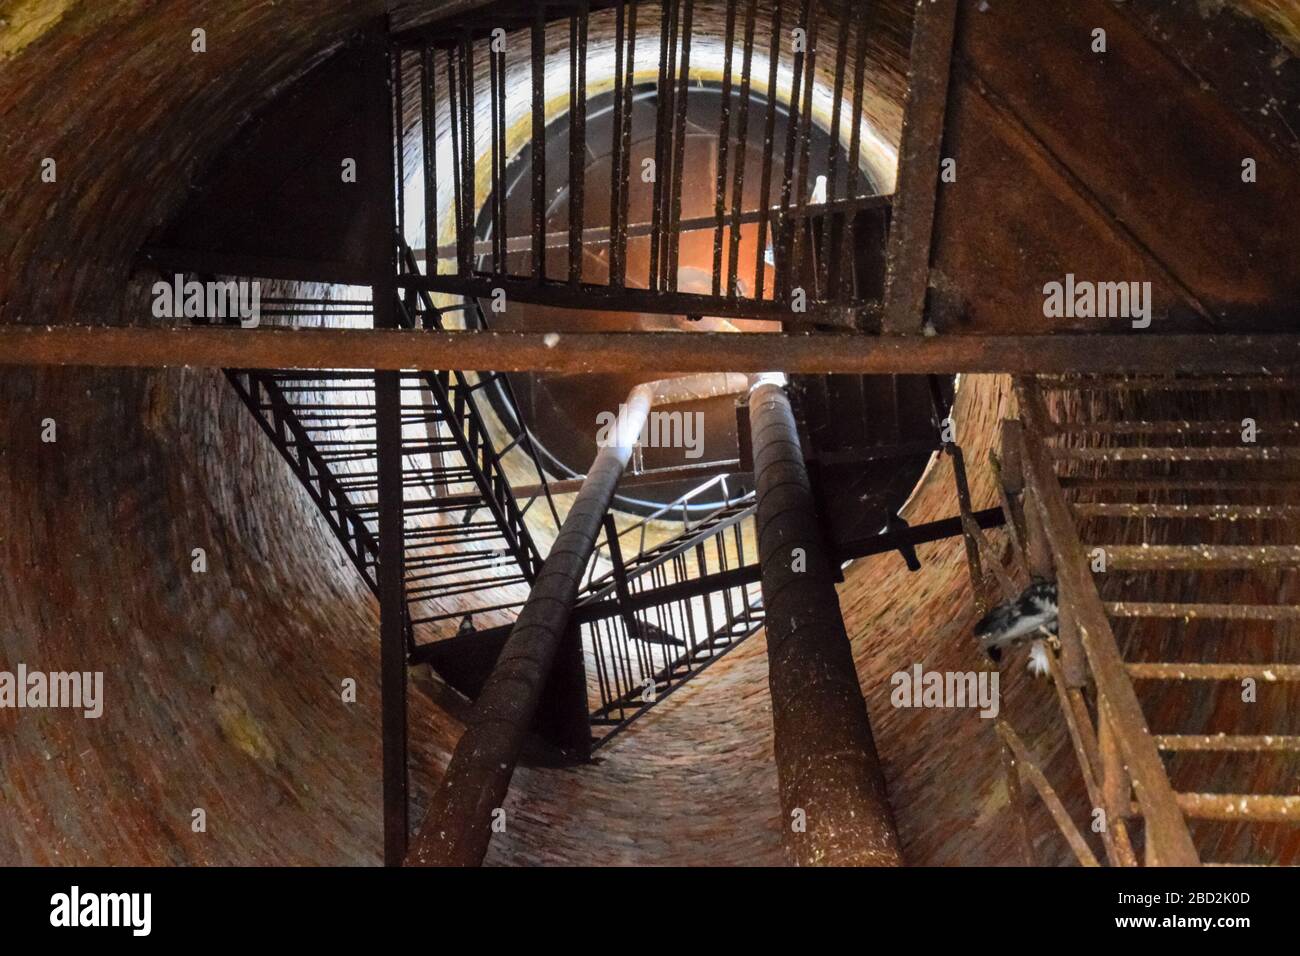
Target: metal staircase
1192,515
675,616
466,541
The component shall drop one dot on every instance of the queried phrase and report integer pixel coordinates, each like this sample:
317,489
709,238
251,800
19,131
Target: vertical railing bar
539,141
724,141
828,262
399,135
769,140
855,147
505,156
577,137
500,188
457,187
742,145
781,232
430,157
494,95
469,179
804,120
663,113
626,140
679,147
617,184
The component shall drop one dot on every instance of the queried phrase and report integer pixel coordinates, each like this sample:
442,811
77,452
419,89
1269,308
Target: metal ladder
1164,493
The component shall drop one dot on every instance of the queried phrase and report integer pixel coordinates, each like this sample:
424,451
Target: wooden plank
1167,833
912,230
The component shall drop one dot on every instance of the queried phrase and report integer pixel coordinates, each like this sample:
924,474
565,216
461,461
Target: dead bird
1030,617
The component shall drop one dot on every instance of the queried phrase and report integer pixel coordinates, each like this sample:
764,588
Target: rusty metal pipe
835,808
660,352
458,825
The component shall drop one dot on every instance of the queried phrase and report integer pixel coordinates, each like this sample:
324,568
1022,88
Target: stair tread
1130,453
1213,512
1259,807
1228,742
1245,612
1199,557
1175,670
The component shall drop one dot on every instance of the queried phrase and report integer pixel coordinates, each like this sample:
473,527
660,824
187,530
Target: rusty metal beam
835,807
660,352
918,166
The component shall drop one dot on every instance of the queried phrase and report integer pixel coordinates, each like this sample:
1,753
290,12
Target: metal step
1254,807
1227,742
1140,453
1200,557
1208,612
1269,673
1185,427
1212,512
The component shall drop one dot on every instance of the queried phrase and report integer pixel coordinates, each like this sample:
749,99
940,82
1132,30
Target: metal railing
791,199
675,615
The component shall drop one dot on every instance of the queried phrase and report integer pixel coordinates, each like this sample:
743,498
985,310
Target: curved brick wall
223,688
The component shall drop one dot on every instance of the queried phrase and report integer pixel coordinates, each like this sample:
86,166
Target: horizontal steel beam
659,352
607,298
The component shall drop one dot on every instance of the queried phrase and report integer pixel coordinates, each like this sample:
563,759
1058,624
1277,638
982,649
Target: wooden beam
1167,833
658,352
912,230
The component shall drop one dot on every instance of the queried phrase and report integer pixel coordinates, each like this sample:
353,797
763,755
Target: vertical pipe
458,825
835,807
